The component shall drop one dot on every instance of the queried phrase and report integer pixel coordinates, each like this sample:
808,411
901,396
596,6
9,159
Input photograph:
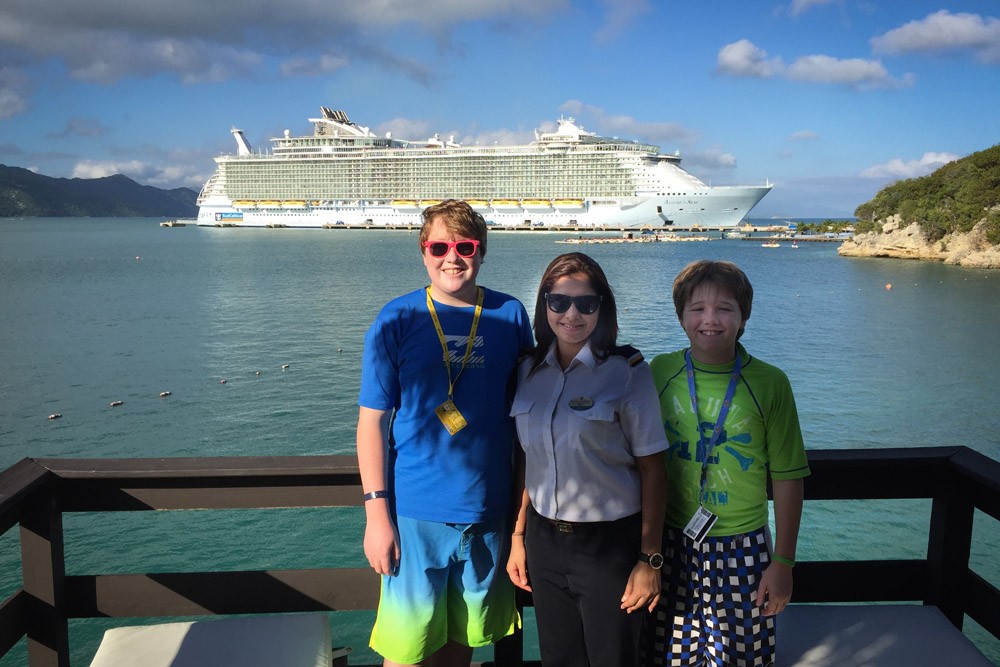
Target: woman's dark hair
605,335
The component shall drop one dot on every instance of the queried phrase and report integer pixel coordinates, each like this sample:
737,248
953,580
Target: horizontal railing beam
848,474
195,467
108,495
860,581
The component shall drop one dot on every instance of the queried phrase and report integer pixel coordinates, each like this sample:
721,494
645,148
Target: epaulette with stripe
631,354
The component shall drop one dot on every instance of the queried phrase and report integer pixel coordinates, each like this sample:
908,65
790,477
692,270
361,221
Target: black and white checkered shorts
707,613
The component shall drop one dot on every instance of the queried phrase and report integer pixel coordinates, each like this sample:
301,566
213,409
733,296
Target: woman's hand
643,589
517,563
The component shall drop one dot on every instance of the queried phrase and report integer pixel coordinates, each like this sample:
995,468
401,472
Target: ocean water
100,310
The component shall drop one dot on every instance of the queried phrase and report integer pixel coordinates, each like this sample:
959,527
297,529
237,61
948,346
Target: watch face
655,561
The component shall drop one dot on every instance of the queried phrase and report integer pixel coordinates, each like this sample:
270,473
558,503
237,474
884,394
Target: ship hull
725,207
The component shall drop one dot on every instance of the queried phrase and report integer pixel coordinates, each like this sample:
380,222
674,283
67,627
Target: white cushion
871,636
292,640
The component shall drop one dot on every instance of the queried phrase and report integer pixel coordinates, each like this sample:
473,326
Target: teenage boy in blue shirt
435,451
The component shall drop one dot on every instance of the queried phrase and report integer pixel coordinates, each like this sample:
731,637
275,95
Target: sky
828,100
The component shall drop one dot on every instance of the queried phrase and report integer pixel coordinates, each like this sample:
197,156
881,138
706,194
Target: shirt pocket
591,427
520,410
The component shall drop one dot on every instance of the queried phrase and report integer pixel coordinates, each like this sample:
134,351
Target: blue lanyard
719,423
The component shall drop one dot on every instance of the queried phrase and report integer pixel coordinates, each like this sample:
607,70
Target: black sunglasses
464,249
586,304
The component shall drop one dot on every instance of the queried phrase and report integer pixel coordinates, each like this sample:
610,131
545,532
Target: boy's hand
382,545
775,589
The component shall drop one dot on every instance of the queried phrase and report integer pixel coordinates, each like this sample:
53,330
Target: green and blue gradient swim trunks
452,585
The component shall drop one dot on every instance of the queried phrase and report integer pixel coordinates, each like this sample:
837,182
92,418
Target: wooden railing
36,493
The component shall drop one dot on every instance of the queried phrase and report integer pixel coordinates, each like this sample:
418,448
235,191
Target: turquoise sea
100,310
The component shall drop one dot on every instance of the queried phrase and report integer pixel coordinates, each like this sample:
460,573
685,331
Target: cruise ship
343,174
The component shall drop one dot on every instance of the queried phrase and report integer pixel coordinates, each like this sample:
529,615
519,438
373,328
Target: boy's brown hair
722,275
458,218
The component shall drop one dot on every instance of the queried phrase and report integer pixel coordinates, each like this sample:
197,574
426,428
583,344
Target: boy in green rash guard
731,422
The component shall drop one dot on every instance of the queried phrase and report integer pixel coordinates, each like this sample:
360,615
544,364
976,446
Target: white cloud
801,6
627,127
145,173
944,31
743,58
102,168
620,16
105,40
711,160
435,12
80,127
313,66
855,72
502,137
803,135
898,168
13,91
405,128
11,149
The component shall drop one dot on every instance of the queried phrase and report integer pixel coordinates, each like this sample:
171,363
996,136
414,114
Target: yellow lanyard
444,344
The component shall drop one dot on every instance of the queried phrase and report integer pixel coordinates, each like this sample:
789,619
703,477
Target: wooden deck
36,493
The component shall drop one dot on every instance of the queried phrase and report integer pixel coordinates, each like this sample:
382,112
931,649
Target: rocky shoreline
969,249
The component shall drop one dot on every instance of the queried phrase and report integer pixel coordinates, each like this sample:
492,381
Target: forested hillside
953,199
25,193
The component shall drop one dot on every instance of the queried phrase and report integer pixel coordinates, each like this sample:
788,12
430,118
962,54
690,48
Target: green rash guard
761,433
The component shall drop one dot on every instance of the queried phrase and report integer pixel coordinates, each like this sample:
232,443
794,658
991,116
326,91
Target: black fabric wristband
376,494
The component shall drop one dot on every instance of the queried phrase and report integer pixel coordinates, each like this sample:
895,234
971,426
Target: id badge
449,415
699,525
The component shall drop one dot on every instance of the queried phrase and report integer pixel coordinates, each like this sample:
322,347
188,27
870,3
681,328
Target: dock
797,239
629,238
902,606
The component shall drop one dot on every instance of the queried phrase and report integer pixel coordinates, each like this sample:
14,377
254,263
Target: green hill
953,199
24,193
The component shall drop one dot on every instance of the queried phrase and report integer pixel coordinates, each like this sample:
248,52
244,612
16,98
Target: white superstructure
345,175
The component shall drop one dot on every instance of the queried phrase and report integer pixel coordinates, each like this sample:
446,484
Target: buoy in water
888,286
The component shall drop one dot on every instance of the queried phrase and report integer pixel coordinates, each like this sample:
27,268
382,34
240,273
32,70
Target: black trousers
578,575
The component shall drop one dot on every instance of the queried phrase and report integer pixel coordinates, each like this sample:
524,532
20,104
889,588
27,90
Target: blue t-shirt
435,476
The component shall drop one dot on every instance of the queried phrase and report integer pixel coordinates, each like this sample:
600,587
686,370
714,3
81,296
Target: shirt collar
585,356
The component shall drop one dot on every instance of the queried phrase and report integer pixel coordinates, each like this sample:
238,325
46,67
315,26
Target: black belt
575,526
561,526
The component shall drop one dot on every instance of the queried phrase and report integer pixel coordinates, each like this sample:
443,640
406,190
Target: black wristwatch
655,559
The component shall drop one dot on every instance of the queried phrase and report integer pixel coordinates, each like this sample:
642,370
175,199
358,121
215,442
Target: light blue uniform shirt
581,430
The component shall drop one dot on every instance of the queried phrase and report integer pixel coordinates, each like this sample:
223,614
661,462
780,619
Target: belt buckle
564,526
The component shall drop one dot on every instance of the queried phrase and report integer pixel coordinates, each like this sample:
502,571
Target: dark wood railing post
509,651
44,569
948,546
